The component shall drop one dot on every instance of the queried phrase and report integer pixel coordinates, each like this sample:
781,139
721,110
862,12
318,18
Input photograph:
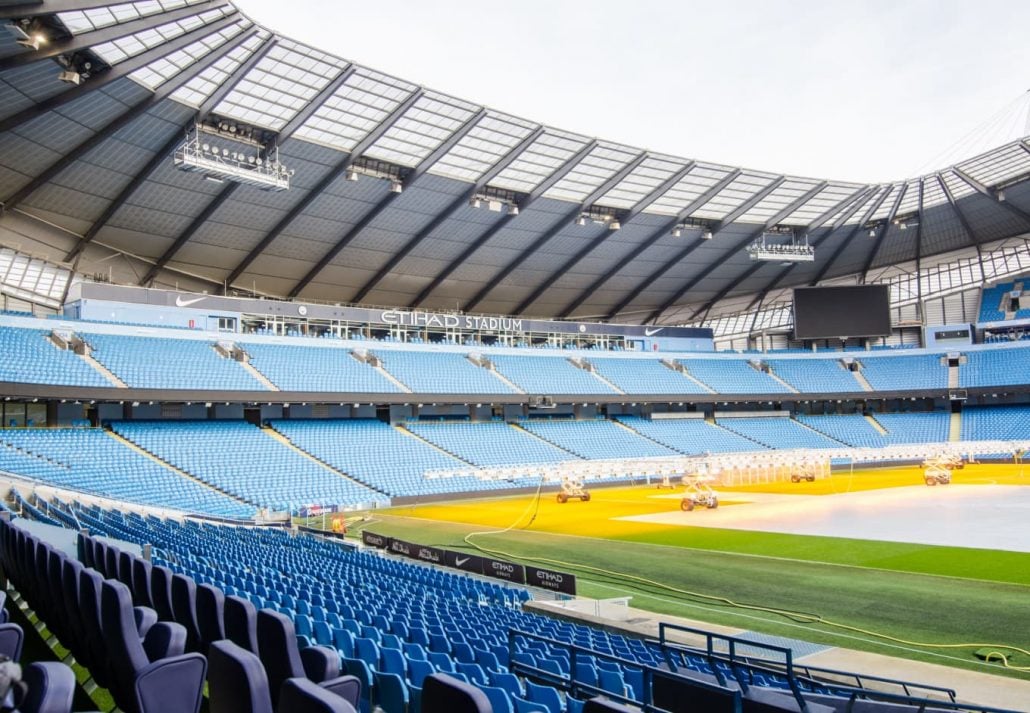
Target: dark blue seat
11,639
241,623
441,692
184,609
236,680
277,647
141,575
95,648
210,615
50,688
161,592
300,694
168,684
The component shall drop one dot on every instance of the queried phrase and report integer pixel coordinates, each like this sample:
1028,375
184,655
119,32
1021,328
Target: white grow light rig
781,244
226,151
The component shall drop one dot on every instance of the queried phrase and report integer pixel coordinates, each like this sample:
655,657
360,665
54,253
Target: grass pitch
960,599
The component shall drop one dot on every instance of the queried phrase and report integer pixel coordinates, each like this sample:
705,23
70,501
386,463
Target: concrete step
271,432
178,471
955,427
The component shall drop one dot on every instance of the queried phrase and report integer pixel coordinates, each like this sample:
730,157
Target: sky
870,91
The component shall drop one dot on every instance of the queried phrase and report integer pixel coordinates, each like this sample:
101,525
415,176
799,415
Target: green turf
910,605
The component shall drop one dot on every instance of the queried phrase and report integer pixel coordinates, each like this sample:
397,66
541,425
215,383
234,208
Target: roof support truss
729,218
85,40
860,226
524,255
596,242
856,200
991,193
376,210
315,192
883,231
774,220
494,171
120,70
653,238
115,125
497,226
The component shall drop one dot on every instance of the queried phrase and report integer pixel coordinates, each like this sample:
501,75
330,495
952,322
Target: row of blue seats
151,362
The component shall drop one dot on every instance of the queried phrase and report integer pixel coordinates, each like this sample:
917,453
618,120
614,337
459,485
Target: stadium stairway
682,370
801,423
860,378
489,366
84,353
876,425
125,442
955,427
273,433
590,369
254,371
377,364
775,377
401,429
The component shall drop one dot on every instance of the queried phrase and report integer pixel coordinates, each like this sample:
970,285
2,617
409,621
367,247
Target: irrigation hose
796,616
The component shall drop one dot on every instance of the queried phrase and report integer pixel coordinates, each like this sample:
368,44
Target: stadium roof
95,158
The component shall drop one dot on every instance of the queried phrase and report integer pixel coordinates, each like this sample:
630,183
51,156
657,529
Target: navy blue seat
277,647
50,688
184,609
441,692
161,592
241,623
11,639
141,575
236,680
210,615
167,684
300,694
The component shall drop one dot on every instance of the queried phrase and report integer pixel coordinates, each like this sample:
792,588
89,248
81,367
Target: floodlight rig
767,246
224,152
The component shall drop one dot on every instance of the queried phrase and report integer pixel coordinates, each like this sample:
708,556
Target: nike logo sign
459,561
180,302
652,332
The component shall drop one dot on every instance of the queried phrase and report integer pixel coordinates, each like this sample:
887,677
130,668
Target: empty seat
441,692
172,684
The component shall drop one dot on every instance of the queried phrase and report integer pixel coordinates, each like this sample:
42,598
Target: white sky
873,90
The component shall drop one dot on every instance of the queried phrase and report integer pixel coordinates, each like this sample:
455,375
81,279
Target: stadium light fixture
707,234
677,232
614,224
396,187
353,175
26,35
581,220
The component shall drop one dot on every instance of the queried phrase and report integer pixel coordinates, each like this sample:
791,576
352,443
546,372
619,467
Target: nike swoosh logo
180,302
652,332
459,561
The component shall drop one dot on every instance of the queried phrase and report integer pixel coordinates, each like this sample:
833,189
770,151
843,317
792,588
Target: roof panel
486,144
196,91
280,85
603,162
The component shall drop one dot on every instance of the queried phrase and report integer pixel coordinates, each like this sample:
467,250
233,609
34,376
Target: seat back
97,660
236,680
124,647
241,623
184,608
277,647
141,573
161,592
300,694
210,614
11,639
50,688
441,692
